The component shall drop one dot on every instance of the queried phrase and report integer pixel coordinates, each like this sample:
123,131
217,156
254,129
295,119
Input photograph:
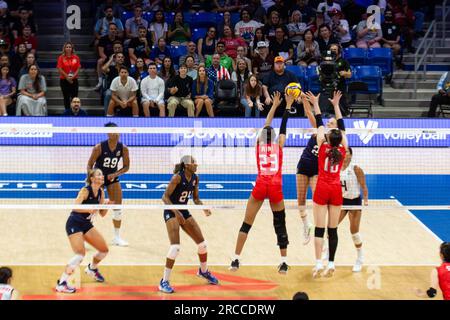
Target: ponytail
5,275
178,167
334,155
335,138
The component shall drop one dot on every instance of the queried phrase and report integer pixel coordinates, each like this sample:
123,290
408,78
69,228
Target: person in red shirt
269,159
327,198
440,276
28,39
232,42
68,66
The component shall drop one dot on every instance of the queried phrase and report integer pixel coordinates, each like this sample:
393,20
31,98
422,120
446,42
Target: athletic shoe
307,230
317,270
94,273
119,242
330,270
208,276
358,266
164,286
64,287
234,265
283,268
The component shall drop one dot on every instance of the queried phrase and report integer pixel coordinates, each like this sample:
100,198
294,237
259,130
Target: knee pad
279,224
357,240
332,233
245,228
174,250
75,261
202,248
319,232
100,255
117,214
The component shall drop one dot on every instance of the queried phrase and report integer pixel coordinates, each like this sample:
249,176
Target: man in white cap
263,61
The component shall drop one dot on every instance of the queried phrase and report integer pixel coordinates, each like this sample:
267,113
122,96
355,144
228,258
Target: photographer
333,71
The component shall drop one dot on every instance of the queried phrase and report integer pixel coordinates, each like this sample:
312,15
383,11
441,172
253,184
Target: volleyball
293,89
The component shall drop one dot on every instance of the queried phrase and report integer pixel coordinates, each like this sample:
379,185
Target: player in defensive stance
80,229
183,184
106,156
440,276
353,180
7,292
327,198
269,159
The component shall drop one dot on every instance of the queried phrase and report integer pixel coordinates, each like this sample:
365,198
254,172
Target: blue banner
387,139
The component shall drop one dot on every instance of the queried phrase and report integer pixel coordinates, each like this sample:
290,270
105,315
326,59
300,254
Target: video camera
328,74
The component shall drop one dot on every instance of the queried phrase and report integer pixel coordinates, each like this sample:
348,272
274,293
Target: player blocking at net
106,157
269,159
327,198
183,184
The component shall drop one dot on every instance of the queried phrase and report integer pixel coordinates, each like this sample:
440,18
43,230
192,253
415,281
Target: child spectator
178,90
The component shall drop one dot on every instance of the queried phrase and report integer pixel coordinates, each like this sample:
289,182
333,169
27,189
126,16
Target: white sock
64,277
359,252
110,115
93,266
116,233
331,265
5,115
305,221
236,257
203,267
284,260
319,263
167,272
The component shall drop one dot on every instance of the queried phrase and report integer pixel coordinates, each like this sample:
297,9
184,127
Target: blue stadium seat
203,20
370,75
235,17
300,73
188,17
176,52
381,57
149,16
169,16
125,16
198,33
355,56
312,79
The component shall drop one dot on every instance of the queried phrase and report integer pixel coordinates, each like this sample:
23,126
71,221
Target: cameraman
333,71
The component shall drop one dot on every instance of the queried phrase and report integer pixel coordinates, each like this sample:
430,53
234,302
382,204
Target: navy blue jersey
108,161
91,199
311,151
184,189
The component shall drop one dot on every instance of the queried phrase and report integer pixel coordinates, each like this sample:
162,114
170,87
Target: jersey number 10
329,168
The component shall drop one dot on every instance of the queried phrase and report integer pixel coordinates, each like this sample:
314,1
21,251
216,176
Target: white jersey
6,292
349,182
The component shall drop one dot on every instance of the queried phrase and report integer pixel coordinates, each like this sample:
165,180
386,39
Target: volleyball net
43,160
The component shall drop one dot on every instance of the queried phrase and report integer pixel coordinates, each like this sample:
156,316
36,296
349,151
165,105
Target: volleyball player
80,229
440,276
183,184
269,159
7,292
106,156
353,180
327,198
307,169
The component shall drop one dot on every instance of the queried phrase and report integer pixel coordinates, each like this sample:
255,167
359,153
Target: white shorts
152,99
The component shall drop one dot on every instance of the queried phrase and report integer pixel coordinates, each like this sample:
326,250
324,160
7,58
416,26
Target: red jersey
71,64
330,174
269,159
444,279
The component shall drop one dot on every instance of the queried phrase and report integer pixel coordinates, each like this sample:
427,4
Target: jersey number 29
329,168
110,163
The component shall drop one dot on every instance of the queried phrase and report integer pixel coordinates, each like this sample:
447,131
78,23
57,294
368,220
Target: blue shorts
107,182
168,214
77,223
307,168
352,202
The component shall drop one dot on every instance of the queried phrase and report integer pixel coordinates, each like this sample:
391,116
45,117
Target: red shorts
328,194
263,190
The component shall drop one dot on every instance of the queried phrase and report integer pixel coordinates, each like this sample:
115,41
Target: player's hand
276,98
289,101
336,97
207,212
312,98
366,202
111,176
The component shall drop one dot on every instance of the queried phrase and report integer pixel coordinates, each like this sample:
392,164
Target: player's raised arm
96,152
308,113
196,198
282,137
276,98
340,121
314,100
174,182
